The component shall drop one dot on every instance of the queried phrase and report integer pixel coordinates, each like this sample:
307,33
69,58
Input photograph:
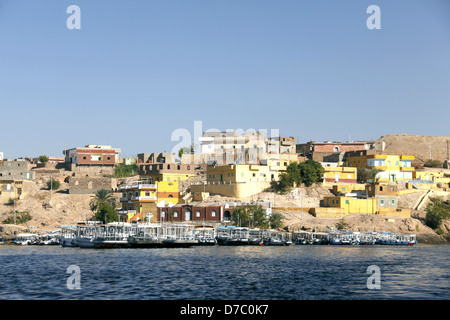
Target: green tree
311,172
252,215
362,174
53,184
373,174
106,213
306,173
43,159
102,197
437,211
276,220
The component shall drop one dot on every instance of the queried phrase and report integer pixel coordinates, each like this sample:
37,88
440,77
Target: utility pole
51,188
301,201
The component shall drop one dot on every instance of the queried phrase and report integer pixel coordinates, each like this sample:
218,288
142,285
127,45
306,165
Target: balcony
138,186
123,211
144,198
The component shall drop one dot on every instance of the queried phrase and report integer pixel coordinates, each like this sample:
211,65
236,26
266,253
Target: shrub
53,184
43,159
433,164
437,211
125,170
21,217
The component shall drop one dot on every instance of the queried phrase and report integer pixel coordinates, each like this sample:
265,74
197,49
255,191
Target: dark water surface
219,273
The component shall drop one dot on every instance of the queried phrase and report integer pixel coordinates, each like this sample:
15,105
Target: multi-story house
155,172
19,169
394,168
92,155
232,147
139,199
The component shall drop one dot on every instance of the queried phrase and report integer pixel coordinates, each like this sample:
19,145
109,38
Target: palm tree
102,197
373,174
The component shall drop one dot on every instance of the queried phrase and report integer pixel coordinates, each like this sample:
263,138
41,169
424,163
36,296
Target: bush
437,211
433,164
21,217
126,170
53,184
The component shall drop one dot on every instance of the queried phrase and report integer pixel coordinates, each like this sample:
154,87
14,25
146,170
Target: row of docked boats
353,238
121,235
166,235
37,240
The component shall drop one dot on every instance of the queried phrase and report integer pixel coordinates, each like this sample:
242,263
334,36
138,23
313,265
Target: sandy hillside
418,146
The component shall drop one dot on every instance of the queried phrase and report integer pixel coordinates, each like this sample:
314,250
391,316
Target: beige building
14,189
236,180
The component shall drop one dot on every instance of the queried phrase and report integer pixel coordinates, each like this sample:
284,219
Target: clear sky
139,69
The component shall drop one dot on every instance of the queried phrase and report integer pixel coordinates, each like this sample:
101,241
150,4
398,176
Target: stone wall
86,185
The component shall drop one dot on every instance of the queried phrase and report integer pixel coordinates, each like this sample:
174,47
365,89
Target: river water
221,272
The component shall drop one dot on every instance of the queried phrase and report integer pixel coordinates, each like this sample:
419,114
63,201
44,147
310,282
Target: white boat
68,236
23,239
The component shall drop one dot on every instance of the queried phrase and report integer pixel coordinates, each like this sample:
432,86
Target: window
343,189
163,214
382,202
109,158
347,202
393,201
197,214
147,194
213,213
175,214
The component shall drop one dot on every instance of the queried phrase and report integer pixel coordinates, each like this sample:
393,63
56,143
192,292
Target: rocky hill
418,146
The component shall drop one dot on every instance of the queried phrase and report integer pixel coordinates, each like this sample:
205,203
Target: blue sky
138,70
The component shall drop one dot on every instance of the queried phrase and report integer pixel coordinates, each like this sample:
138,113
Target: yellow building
352,205
394,167
155,172
340,174
140,198
432,176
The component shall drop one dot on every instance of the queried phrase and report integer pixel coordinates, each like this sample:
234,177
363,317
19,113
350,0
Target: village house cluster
176,187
